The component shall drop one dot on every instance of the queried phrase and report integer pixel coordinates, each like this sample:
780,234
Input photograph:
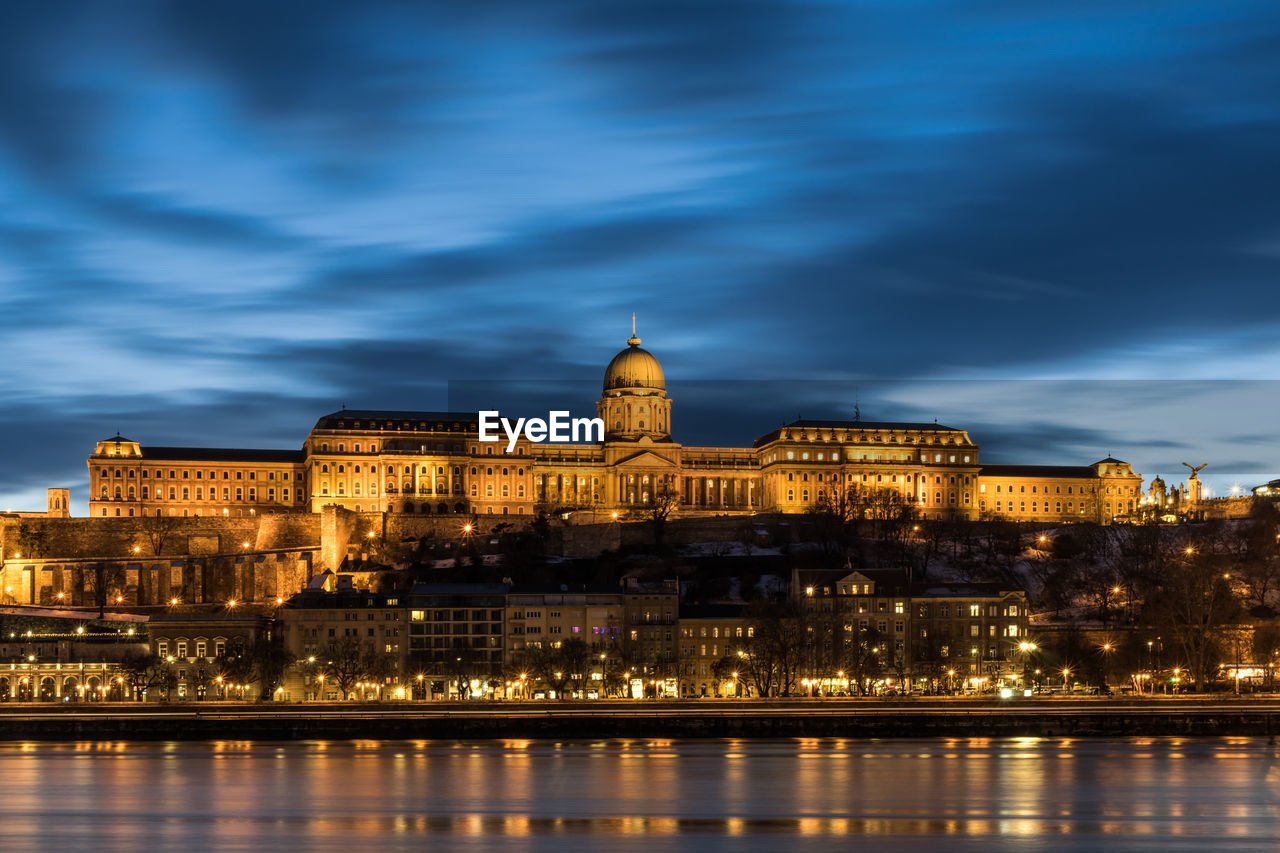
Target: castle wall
118,537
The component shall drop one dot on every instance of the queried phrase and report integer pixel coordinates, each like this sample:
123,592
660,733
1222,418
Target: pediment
645,459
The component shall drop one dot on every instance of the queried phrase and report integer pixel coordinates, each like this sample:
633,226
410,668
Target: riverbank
623,719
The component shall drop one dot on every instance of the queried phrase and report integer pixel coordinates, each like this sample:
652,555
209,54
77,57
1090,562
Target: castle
434,463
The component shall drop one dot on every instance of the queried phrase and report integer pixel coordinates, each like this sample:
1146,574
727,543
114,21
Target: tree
345,664
1195,604
269,659
104,577
772,655
235,665
201,678
559,667
665,501
377,667
862,658
144,671
32,540
834,519
726,669
158,529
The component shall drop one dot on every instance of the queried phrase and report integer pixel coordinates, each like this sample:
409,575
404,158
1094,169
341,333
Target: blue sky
219,221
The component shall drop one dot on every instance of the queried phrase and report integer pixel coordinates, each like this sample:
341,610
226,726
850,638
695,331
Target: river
793,795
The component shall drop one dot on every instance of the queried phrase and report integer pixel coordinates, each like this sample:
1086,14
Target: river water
792,795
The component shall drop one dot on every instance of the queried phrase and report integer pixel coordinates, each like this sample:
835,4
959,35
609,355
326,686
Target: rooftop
220,454
1067,471
370,418
859,425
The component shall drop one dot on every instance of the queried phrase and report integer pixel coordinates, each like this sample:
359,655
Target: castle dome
634,368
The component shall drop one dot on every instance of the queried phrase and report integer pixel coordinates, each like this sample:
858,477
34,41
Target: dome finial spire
634,340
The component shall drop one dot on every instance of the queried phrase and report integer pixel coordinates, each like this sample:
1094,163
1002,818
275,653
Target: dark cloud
161,218
223,220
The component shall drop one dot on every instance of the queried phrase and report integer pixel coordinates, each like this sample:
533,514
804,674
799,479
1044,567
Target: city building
710,637
360,634
921,635
196,643
456,634
546,615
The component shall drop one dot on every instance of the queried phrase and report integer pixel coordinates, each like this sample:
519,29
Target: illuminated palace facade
434,463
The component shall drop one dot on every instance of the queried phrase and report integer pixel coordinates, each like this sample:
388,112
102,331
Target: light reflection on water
979,794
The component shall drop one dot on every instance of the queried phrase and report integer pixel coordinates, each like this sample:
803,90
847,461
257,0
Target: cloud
209,207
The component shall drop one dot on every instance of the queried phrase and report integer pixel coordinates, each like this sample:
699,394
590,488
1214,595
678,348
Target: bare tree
158,529
665,501
1196,604
345,664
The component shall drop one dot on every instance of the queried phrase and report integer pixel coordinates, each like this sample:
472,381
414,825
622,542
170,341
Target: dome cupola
634,367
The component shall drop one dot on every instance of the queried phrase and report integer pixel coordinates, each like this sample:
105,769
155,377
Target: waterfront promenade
926,717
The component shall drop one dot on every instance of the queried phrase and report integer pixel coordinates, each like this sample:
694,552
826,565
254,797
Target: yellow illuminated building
433,463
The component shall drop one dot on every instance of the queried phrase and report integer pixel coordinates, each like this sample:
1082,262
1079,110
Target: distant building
456,634
961,635
368,627
194,641
1269,490
545,615
710,634
649,639
1059,493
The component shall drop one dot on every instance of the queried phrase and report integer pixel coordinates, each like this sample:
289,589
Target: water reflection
680,794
